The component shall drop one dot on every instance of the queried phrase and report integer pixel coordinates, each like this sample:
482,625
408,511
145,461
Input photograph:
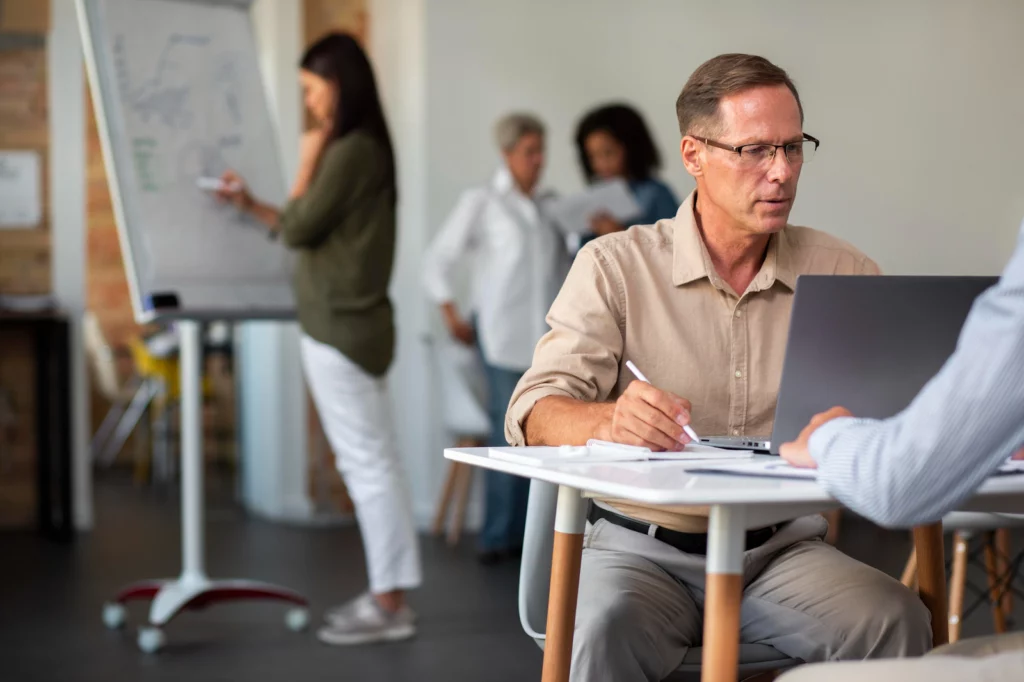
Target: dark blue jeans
505,496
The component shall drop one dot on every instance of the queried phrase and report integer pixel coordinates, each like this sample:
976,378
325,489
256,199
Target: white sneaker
363,621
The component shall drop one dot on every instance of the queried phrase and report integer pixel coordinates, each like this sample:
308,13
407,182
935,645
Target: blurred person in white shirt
519,260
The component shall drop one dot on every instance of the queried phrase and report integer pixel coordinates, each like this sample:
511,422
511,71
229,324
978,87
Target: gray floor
51,596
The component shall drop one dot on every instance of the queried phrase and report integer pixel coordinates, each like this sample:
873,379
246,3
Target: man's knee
898,623
611,642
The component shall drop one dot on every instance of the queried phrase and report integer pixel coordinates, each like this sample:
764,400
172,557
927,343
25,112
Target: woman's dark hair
625,124
339,59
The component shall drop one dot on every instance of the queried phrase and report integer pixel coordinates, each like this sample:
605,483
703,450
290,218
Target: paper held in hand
572,214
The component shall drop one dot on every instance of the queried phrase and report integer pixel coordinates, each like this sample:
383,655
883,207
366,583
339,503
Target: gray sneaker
363,621
344,612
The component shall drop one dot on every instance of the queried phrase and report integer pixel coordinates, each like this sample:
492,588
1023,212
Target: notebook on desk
867,343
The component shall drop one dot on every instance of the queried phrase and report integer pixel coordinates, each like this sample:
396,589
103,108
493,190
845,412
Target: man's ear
690,151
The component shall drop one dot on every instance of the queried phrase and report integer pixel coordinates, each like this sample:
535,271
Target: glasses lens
800,152
756,154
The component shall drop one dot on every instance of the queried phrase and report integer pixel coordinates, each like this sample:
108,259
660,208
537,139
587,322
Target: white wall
918,104
272,398
66,97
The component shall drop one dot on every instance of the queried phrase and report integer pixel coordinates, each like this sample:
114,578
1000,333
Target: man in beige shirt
701,304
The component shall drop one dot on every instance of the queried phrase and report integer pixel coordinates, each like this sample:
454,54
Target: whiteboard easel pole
191,452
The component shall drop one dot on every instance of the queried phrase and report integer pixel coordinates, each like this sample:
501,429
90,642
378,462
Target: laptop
868,344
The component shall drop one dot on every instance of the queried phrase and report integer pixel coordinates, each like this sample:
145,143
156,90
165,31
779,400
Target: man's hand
647,416
797,452
460,330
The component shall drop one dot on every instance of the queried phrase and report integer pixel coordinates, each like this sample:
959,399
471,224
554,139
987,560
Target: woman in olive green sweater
341,221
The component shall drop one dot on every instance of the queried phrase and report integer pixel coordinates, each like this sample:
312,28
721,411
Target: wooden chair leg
446,498
909,577
833,517
461,501
1003,557
957,585
995,586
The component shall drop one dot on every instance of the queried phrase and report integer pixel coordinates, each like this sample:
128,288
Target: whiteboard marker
217,185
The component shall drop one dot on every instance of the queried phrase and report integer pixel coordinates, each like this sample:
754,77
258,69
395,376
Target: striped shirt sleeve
915,467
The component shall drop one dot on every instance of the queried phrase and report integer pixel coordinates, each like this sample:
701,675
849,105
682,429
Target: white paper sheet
572,214
600,451
21,197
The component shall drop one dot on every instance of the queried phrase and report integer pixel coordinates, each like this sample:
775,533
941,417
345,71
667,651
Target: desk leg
570,521
723,593
931,578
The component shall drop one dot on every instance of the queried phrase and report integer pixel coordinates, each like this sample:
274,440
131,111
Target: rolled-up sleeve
579,357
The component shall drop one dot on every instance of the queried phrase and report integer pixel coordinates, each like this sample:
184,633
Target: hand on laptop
649,417
797,452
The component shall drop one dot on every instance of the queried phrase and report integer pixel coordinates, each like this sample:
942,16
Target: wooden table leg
570,521
931,578
994,584
723,594
1003,559
957,583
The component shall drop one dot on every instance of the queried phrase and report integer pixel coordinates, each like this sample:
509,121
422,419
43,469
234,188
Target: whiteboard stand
193,589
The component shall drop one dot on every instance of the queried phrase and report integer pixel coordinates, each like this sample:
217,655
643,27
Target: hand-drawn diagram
165,93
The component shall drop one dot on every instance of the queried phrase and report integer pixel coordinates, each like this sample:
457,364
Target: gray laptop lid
867,343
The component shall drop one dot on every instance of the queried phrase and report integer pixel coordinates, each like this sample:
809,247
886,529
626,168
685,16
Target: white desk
737,503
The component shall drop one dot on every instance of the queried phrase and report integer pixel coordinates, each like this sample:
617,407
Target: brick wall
25,253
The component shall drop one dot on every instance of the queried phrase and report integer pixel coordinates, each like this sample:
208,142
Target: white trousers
355,411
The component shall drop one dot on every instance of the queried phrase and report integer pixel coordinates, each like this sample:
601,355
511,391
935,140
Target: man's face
756,196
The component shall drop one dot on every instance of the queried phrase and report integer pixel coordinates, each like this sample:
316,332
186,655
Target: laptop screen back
867,343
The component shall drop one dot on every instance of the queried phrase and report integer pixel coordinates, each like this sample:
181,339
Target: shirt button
735,432
739,374
739,313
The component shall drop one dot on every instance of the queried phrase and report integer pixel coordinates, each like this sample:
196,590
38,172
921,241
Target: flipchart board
179,97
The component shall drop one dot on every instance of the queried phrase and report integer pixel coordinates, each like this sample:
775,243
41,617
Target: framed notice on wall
21,196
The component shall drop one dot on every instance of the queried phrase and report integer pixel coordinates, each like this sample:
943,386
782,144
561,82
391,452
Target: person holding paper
518,260
613,142
701,303
917,466
341,221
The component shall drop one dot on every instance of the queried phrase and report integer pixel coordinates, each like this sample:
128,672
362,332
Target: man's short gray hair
511,127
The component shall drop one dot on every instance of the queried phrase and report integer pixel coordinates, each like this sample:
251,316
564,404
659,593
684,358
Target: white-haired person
518,260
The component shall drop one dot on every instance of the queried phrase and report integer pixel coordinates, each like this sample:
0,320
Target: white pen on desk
640,375
216,185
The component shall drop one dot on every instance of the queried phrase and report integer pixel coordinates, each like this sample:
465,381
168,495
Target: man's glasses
759,154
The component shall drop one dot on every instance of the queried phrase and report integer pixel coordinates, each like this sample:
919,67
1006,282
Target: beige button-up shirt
651,295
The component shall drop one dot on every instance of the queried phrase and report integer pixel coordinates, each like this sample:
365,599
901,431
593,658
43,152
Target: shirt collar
691,261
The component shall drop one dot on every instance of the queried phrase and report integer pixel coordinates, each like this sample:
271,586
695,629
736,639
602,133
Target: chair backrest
535,570
102,357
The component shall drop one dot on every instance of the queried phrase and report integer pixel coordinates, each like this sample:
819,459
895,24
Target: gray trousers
984,659
641,604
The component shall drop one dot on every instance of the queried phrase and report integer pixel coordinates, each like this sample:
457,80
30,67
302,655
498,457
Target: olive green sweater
343,229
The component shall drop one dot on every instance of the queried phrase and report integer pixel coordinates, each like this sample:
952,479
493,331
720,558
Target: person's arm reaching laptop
922,463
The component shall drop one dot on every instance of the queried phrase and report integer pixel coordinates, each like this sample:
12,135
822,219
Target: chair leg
995,586
833,517
957,584
461,501
446,498
909,577
1003,559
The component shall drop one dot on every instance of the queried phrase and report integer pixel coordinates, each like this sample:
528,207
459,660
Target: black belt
691,543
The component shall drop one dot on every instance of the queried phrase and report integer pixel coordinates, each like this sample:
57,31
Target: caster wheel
151,639
297,619
114,615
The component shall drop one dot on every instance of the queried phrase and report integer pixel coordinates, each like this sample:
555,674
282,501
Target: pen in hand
640,375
